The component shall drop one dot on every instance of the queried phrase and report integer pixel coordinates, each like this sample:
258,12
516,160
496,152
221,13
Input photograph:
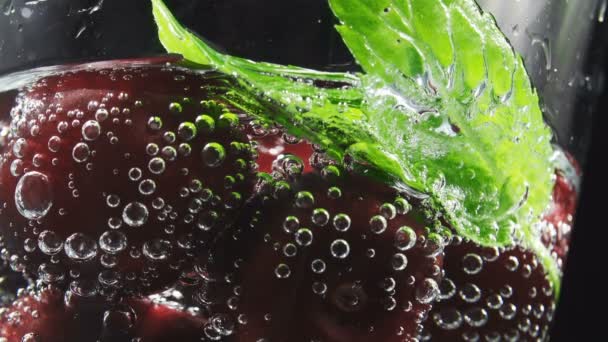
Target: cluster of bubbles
301,224
296,226
47,137
479,308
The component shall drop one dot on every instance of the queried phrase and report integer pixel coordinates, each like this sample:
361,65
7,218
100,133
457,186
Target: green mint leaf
445,109
450,99
324,107
272,80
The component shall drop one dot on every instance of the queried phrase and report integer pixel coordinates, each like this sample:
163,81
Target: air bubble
79,247
33,195
470,293
512,263
50,273
81,152
304,237
101,114
113,242
304,199
152,149
205,123
291,224
472,263
135,214
157,165
213,154
476,317
318,266
157,250
290,250
402,206
399,262
319,288
282,271
19,147
207,220
427,291
91,130
186,131
378,224
405,238
448,319
169,153
135,174
388,211
147,187
49,243
339,249
175,107
112,201
320,217
54,143
342,222
155,123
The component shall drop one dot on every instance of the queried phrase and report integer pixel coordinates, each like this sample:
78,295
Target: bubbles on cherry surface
399,262
291,224
135,214
34,195
427,291
157,249
49,243
342,222
54,143
282,271
339,249
378,224
79,247
155,123
91,130
405,238
157,165
213,154
112,201
318,266
472,263
448,319
19,148
147,187
290,250
470,293
113,242
135,174
81,152
304,199
186,131
101,114
304,237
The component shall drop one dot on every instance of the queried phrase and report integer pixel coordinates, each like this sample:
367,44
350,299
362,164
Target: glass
558,41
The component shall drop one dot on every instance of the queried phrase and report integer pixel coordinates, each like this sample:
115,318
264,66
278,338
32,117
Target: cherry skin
120,172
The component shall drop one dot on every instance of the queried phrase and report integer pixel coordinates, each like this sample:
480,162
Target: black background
283,32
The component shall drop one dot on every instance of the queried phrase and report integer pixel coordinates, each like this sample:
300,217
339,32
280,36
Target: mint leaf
272,80
324,107
448,97
445,109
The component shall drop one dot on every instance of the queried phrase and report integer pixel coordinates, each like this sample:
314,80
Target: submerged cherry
120,173
334,258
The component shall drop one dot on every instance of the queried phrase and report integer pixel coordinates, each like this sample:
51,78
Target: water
319,254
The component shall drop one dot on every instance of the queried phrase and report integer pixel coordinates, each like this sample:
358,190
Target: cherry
81,315
333,258
120,172
491,294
